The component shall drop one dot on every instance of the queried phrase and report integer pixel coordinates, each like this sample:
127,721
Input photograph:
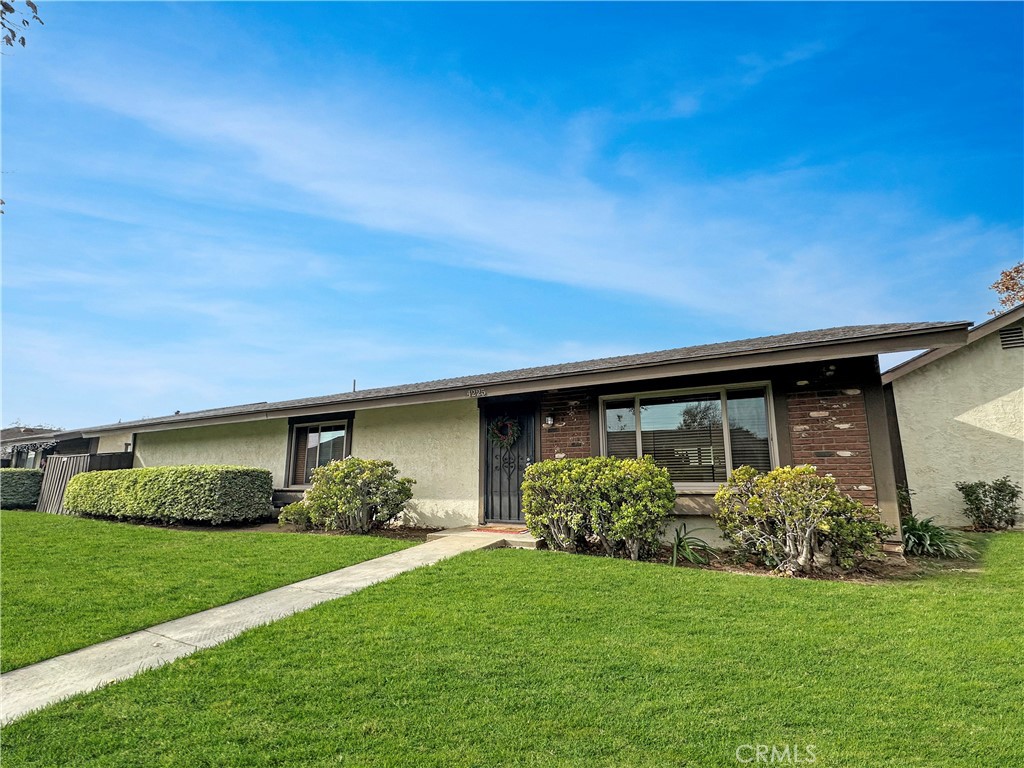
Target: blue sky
212,204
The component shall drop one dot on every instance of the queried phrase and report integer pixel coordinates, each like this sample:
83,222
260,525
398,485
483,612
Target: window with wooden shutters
315,445
685,432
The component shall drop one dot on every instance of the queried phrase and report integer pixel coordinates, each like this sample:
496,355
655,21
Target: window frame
293,444
722,391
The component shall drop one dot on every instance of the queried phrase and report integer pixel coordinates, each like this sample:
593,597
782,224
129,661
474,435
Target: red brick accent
569,438
829,429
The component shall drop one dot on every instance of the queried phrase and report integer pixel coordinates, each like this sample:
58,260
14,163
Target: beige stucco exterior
113,442
961,417
250,444
436,444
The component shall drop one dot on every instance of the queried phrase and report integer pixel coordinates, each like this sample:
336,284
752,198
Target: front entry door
507,460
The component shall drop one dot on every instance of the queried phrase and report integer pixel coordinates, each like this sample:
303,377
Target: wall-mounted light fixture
549,420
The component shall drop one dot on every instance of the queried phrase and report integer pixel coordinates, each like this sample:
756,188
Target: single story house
813,397
960,416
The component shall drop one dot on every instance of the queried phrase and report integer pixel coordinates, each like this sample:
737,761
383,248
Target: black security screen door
507,456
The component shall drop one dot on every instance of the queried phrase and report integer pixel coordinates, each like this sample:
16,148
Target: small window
1012,338
316,445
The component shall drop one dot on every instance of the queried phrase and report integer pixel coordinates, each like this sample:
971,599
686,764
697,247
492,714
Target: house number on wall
477,393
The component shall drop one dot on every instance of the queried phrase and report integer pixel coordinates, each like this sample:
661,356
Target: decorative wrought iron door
506,463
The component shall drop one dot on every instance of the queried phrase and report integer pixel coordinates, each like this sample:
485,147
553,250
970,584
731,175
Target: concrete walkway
36,686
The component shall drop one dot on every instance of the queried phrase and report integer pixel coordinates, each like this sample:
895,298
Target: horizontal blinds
299,458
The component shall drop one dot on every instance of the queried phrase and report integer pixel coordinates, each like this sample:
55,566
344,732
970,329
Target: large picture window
685,432
316,445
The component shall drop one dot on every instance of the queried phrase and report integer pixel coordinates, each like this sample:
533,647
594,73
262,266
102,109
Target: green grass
69,582
532,658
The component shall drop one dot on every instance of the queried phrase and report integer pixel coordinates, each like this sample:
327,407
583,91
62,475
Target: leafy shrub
354,495
925,538
692,549
19,488
905,500
214,494
991,506
619,503
793,520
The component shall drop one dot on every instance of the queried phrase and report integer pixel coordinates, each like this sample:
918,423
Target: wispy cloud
779,237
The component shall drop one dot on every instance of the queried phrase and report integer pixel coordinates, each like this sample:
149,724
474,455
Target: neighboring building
813,397
960,416
24,447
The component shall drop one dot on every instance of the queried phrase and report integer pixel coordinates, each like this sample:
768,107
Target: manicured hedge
19,488
214,494
619,503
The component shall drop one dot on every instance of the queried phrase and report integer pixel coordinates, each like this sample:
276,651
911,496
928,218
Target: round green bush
619,503
353,495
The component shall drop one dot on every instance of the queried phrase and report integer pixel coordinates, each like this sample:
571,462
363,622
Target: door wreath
504,431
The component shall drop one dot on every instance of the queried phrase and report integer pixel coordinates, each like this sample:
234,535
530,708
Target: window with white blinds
686,433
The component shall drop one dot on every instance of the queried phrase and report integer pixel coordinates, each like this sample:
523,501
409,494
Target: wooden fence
60,469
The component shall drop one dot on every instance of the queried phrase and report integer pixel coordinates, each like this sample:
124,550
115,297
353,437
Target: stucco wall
113,443
436,444
961,418
251,444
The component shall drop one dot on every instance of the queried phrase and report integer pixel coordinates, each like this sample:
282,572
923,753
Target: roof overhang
931,355
952,335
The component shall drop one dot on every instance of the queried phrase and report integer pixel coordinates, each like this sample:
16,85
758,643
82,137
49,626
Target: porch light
549,420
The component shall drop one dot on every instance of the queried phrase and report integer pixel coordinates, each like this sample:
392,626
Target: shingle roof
738,349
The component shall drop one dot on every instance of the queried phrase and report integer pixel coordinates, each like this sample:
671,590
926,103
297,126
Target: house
23,447
960,414
813,397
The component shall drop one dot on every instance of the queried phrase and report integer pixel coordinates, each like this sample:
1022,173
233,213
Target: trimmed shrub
926,538
213,494
19,488
353,495
619,503
991,506
793,520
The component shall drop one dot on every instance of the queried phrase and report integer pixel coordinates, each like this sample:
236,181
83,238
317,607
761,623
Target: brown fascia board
955,335
977,332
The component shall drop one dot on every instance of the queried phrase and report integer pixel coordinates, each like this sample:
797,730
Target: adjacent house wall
113,443
961,417
438,445
251,444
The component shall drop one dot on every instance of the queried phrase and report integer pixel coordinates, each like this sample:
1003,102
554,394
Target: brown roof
739,350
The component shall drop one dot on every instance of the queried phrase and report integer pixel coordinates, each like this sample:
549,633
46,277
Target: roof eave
929,356
954,335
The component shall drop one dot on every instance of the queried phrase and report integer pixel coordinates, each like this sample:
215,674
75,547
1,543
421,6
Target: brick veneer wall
829,429
569,438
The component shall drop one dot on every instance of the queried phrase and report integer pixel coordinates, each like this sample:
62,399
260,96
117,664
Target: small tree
792,519
1010,287
353,495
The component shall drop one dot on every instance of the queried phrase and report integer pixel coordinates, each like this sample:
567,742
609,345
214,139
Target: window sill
697,490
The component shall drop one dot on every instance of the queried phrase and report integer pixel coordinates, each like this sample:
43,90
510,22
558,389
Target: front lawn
69,582
535,658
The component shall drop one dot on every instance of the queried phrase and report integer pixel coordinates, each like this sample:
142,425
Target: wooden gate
60,469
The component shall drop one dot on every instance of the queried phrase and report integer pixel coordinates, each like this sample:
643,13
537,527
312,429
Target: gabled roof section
829,343
997,323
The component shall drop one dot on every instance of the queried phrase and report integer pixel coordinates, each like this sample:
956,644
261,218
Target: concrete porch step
513,536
